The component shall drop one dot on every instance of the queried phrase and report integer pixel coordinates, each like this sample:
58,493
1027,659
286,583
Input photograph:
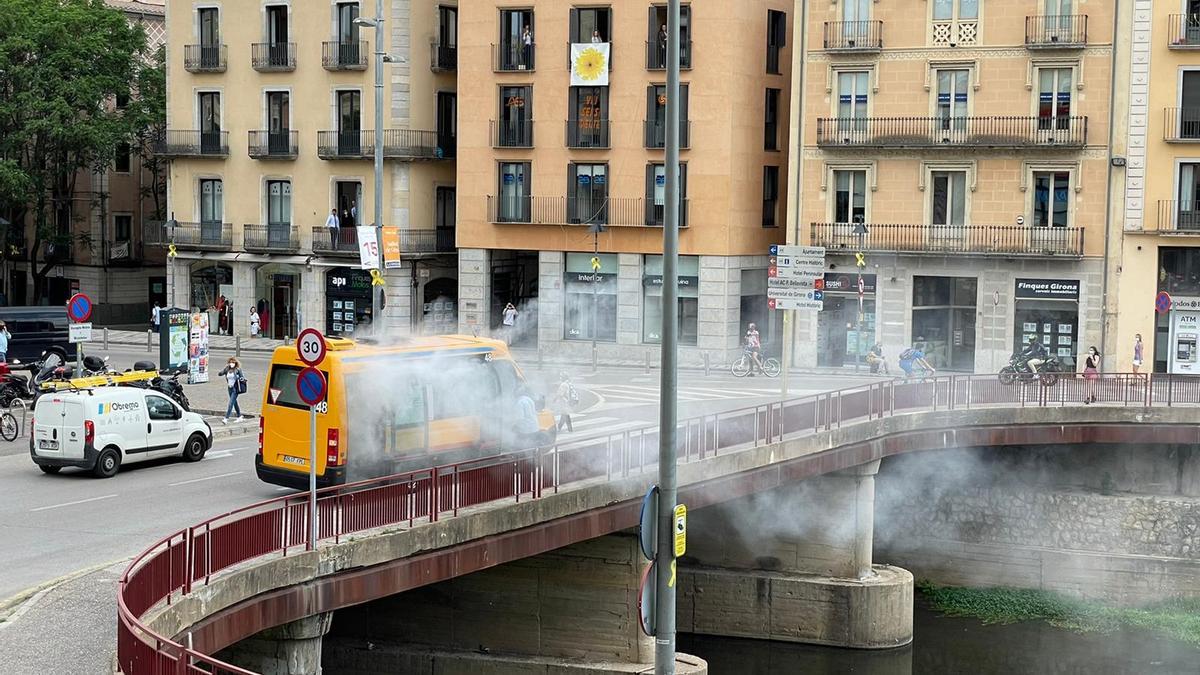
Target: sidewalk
215,342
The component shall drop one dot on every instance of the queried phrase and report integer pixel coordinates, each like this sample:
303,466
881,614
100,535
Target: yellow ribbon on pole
377,278
596,264
171,252
860,259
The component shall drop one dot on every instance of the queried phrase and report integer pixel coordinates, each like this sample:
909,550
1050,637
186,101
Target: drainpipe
1106,314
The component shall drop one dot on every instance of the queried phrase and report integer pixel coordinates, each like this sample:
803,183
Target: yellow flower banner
589,64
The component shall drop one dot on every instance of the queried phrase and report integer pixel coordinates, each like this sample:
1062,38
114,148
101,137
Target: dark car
35,329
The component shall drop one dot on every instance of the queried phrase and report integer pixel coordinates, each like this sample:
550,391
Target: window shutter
652,28
650,191
574,29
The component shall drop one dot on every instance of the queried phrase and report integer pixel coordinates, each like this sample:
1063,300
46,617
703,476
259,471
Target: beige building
1160,251
271,127
543,165
962,146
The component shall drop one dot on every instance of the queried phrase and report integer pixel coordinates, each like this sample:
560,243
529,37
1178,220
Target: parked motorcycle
1018,370
166,382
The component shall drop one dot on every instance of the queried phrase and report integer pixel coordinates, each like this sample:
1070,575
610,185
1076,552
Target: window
1189,103
160,408
516,40
1054,98
516,117
279,202
770,212
349,122
122,227
656,116
447,123
591,298
588,123
122,163
850,196
1051,198
447,27
854,12
950,10
776,39
591,24
943,320
949,200
587,193
771,120
955,22
209,21
347,30
212,200
122,101
852,88
279,115
656,38
1188,216
210,121
514,202
278,54
688,299
952,101
444,217
656,194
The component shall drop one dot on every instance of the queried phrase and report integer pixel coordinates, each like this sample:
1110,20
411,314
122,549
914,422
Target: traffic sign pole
79,310
312,477
312,387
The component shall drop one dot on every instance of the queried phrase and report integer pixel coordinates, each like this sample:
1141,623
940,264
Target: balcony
443,58
998,240
853,36
952,132
204,58
273,57
270,238
590,134
1183,31
1055,31
191,236
274,144
655,134
1181,125
656,55
57,253
513,57
1178,217
345,55
176,143
343,242
403,144
123,253
512,134
612,212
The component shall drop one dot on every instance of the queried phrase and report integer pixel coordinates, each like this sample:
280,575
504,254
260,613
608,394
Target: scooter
166,382
1018,369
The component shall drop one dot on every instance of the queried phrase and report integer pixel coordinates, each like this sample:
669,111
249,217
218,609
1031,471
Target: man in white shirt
334,225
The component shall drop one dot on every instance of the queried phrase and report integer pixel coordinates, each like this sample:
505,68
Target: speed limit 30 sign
310,345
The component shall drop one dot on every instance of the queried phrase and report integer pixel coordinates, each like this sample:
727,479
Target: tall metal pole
595,281
377,291
664,610
312,477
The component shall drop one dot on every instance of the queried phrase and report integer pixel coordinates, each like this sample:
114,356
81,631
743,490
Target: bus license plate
48,445
299,461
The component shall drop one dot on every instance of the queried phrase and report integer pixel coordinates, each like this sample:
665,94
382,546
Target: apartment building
110,209
271,127
1160,250
962,147
564,184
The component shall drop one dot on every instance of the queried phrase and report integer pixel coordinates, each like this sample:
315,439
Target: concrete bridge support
291,649
795,564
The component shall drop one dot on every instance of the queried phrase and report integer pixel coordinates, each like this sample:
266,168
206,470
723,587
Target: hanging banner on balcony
589,64
368,247
391,248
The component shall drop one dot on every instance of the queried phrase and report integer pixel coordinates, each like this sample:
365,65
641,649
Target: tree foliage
63,63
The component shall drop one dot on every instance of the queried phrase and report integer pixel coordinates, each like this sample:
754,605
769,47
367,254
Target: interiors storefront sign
1048,289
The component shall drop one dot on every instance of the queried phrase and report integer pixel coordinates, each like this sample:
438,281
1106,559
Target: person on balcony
334,224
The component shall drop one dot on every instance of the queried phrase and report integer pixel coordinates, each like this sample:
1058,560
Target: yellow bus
395,408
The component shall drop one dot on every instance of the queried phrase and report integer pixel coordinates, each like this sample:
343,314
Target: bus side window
408,407
506,377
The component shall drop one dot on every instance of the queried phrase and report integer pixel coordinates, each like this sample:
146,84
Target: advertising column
173,339
198,349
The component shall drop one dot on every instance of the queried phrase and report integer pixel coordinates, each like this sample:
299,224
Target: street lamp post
380,58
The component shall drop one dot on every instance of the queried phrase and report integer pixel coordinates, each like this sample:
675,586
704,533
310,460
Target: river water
955,645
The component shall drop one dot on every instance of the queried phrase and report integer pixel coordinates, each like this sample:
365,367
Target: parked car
36,329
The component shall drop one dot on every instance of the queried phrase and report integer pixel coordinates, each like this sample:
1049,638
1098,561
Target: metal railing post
148,334
706,364
237,345
106,338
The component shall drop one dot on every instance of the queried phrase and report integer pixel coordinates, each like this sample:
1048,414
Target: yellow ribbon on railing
171,252
377,278
860,259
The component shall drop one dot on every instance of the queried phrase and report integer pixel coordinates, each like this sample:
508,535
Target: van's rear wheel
108,463
193,450
49,469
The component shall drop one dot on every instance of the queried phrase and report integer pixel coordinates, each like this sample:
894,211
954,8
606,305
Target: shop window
688,299
1051,198
1048,309
943,321
591,298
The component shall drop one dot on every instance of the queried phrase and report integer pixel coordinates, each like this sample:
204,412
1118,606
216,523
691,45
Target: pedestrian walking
155,316
254,322
510,322
5,336
564,401
1137,352
235,380
1091,373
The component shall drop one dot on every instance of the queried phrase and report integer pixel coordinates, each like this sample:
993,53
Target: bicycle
744,364
9,430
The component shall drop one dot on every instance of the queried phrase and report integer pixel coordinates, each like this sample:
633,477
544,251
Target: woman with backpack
235,379
564,401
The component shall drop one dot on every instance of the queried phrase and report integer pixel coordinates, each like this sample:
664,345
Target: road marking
197,480
81,501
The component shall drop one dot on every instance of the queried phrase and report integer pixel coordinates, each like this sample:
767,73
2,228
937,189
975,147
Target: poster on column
391,248
198,348
368,247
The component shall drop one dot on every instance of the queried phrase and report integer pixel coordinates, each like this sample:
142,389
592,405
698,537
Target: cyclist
754,348
914,356
1034,354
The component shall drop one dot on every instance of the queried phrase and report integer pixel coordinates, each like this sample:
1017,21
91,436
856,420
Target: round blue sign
1162,302
310,385
79,308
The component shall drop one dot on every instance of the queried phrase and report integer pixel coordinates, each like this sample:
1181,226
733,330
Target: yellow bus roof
342,348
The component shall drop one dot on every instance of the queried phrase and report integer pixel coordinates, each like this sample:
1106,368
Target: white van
100,429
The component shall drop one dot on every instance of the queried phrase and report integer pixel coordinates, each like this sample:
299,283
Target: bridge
251,572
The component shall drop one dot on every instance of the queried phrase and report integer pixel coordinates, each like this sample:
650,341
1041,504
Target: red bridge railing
173,566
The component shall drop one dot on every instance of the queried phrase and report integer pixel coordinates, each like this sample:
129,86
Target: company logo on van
106,408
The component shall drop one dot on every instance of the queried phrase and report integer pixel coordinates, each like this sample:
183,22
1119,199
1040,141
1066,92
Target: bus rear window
282,389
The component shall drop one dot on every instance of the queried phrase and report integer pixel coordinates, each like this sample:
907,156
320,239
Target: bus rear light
333,449
261,428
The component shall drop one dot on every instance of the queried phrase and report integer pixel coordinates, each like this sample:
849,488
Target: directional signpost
311,386
79,310
794,277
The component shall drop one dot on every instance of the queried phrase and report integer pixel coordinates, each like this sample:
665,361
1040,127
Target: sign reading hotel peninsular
1048,289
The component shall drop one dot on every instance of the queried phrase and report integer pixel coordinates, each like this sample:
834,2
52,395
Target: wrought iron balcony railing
512,133
1183,31
190,143
443,58
656,55
513,56
209,236
588,134
274,144
404,144
609,212
273,57
343,241
204,58
656,134
1056,30
1181,125
853,36
950,132
345,55
1179,216
1004,240
271,238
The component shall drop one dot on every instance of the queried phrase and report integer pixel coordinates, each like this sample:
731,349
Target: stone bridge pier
795,564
